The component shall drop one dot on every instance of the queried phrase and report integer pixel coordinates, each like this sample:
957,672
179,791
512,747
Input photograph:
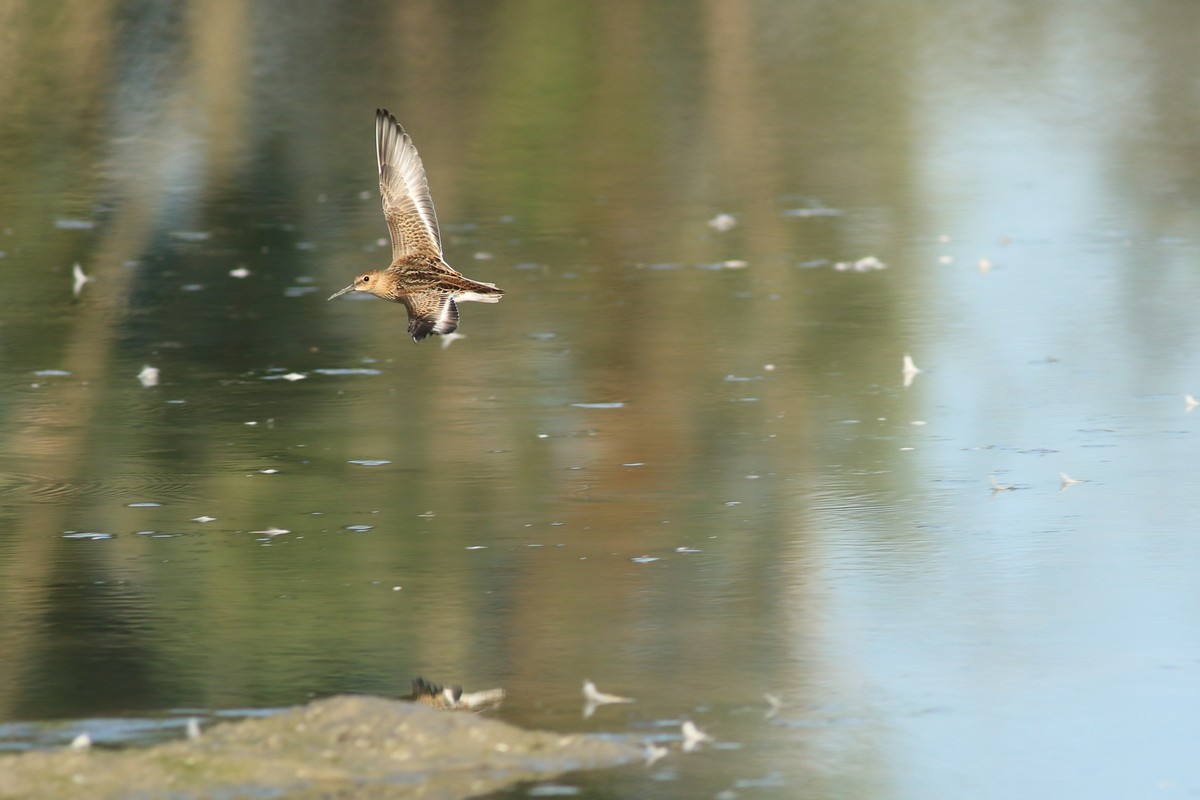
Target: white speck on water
945,259
239,272
918,422
81,742
251,422
769,367
272,531
909,370
192,236
148,376
553,790
268,471
820,211
868,264
68,224
193,728
693,736
722,222
731,503
369,462
348,371
360,528
734,263
294,376
1190,402
483,255
1066,481
397,588
542,335
427,515
204,518
176,402
476,547
644,559
634,464
543,436
192,287
144,505
687,550
52,373
1001,487
984,266
597,405
90,535
79,278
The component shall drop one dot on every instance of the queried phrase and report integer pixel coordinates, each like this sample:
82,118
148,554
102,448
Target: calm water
677,460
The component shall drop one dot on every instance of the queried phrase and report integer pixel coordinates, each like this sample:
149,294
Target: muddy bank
341,747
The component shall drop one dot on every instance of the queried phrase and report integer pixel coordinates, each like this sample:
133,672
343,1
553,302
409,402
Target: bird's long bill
341,292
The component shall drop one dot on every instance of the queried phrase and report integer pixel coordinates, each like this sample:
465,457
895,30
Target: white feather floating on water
1066,481
593,697
722,222
80,278
148,376
693,737
193,728
909,371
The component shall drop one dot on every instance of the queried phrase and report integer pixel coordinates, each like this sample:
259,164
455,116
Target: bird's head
366,282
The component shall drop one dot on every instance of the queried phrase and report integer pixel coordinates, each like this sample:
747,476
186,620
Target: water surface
680,458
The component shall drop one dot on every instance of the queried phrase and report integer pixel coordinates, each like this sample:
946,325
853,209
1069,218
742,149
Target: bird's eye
363,279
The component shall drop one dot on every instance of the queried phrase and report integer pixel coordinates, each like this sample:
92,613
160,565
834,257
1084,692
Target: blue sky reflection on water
1037,642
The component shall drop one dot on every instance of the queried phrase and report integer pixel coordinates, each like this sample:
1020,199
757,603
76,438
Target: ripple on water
349,371
45,489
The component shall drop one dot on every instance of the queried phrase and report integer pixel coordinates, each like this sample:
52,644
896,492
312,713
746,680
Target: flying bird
418,277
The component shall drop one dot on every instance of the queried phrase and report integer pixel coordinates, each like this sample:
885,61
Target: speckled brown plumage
418,277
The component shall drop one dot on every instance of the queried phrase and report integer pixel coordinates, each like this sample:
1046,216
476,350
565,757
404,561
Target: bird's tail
479,292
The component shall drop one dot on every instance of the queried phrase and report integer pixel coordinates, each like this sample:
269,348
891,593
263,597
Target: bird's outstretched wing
430,312
405,190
